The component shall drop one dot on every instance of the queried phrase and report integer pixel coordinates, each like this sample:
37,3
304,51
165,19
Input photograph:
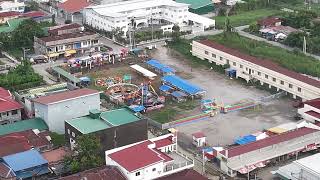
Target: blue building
27,164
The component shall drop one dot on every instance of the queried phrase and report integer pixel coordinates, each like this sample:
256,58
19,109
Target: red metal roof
56,29
198,135
270,21
314,103
7,104
276,139
34,14
262,62
5,93
67,36
136,157
314,114
54,98
9,14
100,173
163,142
72,6
164,156
6,173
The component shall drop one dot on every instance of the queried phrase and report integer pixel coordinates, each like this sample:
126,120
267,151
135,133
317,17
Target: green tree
24,35
57,139
175,33
88,150
254,27
33,6
295,39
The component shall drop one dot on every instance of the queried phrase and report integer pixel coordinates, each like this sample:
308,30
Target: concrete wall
55,114
248,71
9,117
306,108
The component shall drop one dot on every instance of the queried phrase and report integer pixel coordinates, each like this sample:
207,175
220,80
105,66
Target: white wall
12,6
55,114
307,91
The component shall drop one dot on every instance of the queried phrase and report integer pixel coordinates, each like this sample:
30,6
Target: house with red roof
254,69
269,22
6,16
70,8
242,159
311,110
54,109
10,110
149,159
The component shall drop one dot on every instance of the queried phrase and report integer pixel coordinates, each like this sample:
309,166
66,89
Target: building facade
311,110
10,110
6,6
56,108
253,69
149,159
114,128
67,40
144,12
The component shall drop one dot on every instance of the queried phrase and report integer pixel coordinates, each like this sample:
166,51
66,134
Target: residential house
27,164
36,123
70,39
311,110
71,8
114,128
6,6
149,159
5,16
10,110
255,69
55,109
269,22
55,158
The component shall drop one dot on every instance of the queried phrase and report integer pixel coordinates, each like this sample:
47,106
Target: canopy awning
53,55
72,51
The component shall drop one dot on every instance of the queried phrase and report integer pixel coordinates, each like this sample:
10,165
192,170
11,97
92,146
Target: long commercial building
256,69
144,12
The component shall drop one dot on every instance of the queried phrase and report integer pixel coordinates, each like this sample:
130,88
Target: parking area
224,128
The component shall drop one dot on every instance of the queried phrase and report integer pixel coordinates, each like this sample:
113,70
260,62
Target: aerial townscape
159,89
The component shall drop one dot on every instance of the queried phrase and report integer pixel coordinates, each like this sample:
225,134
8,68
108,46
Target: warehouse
254,69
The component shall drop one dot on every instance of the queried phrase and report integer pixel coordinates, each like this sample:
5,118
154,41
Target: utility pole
203,162
304,49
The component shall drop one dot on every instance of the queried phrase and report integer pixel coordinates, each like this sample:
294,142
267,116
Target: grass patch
57,139
165,115
15,52
297,62
188,105
245,18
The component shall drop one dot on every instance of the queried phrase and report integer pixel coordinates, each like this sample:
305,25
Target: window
241,66
246,69
221,58
85,43
290,85
266,76
68,131
274,79
137,173
259,73
213,55
252,71
299,89
73,135
206,52
154,169
234,63
95,41
14,112
282,82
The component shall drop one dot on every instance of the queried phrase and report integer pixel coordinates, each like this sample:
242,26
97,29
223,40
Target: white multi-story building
56,108
6,6
255,69
144,12
149,159
311,110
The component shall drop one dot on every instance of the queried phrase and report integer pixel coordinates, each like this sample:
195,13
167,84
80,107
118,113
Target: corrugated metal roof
196,4
36,123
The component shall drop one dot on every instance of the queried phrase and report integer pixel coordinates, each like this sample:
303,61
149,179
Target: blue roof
165,88
24,160
163,68
245,139
178,94
182,84
137,108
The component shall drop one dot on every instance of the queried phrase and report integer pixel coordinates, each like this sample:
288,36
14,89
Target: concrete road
41,69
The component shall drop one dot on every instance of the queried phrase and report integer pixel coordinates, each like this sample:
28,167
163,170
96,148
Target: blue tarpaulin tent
137,108
182,84
245,139
164,88
178,94
160,67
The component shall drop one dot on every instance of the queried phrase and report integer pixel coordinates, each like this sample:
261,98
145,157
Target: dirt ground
224,128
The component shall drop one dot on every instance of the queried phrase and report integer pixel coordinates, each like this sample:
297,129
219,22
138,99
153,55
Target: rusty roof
66,36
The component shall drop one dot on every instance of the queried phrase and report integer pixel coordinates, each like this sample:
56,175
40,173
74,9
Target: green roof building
36,123
115,128
11,25
199,6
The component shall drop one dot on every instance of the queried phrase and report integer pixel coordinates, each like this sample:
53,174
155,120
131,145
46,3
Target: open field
245,18
224,128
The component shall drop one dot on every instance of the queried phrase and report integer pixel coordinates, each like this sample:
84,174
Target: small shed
199,139
179,96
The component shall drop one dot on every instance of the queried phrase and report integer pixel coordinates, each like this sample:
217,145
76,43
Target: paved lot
224,128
